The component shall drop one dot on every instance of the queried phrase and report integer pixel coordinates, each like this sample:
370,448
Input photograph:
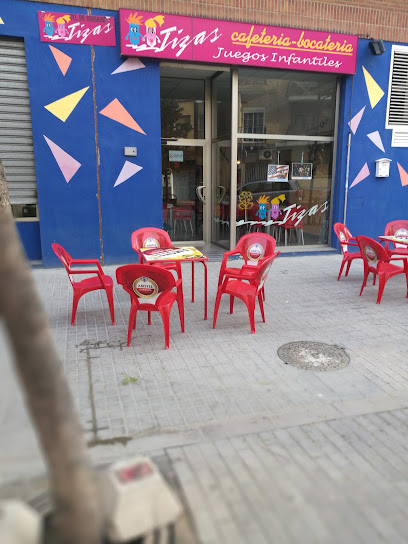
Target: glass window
285,102
182,108
282,174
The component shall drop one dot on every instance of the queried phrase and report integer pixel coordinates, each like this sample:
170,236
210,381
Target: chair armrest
88,261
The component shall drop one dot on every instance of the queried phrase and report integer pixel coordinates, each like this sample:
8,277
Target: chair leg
348,267
132,322
165,314
261,306
364,282
74,306
109,294
250,303
216,306
180,304
341,269
231,304
149,318
381,286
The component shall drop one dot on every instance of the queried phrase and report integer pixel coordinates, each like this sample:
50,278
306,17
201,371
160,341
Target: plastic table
183,254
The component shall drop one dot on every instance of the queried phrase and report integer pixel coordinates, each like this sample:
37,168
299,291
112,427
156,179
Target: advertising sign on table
159,35
76,28
172,253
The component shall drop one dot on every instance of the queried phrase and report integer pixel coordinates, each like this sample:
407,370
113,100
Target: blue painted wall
72,214
373,202
69,212
30,235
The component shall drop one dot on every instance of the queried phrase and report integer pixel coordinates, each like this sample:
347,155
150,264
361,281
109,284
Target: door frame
204,72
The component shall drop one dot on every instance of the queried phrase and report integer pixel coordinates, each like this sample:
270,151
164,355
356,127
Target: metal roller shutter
16,139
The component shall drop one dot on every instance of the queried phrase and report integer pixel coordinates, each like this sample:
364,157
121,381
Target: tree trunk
77,516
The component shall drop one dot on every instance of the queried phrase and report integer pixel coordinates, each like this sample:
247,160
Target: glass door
182,177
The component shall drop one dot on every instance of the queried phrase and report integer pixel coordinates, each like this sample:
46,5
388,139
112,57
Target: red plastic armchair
377,260
346,239
294,224
246,290
150,289
253,248
396,228
99,281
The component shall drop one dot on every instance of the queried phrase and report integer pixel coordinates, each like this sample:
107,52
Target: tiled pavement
263,452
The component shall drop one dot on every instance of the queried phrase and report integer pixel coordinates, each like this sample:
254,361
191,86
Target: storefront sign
175,37
76,28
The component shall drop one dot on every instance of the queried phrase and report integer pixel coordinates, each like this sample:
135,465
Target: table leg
205,289
192,281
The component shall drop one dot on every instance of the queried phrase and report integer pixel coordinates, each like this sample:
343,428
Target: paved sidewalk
263,452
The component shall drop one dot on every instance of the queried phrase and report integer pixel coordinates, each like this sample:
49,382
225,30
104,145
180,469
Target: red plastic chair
99,281
293,224
150,289
346,239
396,228
377,260
247,290
253,247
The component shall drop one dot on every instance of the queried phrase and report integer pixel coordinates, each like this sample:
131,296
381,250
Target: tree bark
77,517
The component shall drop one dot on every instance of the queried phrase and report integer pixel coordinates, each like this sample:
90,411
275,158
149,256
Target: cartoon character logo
370,254
275,211
134,33
151,242
61,29
255,252
145,287
49,27
262,210
151,25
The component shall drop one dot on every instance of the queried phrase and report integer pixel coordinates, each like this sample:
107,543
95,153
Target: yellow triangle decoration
375,93
63,107
1,21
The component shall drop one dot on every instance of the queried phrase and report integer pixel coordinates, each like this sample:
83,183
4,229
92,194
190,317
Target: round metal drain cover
313,356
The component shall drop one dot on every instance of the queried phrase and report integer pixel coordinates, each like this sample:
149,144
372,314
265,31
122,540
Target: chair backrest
295,219
150,237
397,228
144,282
372,252
65,258
343,234
256,245
263,271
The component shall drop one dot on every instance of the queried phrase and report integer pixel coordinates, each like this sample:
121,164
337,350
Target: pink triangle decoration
403,175
356,120
115,111
128,170
363,174
61,59
376,139
68,165
132,63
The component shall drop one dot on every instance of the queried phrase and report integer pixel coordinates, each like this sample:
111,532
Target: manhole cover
313,356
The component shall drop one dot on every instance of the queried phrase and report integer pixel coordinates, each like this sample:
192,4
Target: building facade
207,120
